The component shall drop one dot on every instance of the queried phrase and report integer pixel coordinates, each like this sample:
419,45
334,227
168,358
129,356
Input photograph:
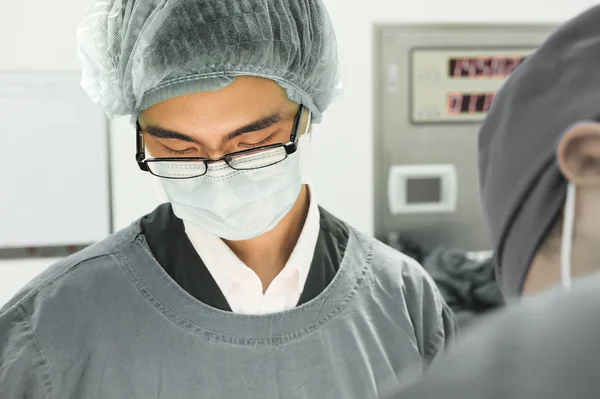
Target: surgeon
241,286
539,158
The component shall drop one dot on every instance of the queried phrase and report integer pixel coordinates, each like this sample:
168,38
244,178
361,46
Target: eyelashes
262,143
176,152
171,151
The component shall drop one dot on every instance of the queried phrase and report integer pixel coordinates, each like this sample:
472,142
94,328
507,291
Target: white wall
35,34
38,34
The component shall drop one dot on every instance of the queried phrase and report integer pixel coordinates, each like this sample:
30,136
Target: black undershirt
171,247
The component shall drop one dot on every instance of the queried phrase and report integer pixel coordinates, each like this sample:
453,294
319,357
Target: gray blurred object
523,189
468,286
405,245
545,348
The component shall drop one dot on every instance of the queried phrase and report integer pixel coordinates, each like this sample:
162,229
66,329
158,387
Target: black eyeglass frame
289,147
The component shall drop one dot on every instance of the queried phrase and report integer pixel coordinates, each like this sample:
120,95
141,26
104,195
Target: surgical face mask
240,205
567,238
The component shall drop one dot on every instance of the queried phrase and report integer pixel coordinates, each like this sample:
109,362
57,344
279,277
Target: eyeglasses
188,168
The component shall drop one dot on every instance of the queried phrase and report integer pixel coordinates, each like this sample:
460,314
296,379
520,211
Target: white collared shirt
241,286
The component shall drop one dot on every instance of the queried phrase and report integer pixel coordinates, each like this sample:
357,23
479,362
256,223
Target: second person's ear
579,154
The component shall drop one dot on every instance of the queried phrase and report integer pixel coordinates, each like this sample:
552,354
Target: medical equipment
433,86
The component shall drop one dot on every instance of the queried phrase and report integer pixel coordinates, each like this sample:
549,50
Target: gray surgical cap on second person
523,190
138,53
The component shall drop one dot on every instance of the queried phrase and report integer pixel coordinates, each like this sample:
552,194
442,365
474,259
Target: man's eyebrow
255,126
162,133
260,124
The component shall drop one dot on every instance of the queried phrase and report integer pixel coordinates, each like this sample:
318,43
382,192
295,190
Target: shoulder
79,272
389,267
403,277
395,269
46,320
401,284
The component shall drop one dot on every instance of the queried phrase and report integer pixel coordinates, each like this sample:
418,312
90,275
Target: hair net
138,53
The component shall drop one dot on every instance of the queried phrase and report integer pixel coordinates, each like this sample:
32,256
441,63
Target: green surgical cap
135,54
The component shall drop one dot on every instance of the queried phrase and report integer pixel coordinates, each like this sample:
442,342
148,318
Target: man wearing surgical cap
240,286
540,178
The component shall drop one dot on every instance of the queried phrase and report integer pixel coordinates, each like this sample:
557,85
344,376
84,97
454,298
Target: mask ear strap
304,151
567,237
308,125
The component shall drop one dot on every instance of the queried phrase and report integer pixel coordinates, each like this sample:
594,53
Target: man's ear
578,154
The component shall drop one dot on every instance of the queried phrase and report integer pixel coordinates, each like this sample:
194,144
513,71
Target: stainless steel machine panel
433,87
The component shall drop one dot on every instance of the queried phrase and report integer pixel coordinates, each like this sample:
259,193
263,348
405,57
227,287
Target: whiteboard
55,186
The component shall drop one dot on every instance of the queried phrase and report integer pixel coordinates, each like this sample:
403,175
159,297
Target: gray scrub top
110,322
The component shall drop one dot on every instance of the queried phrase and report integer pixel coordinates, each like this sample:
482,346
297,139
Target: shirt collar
220,261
